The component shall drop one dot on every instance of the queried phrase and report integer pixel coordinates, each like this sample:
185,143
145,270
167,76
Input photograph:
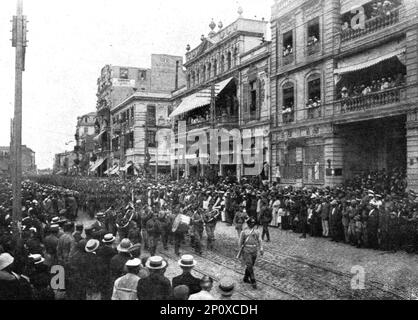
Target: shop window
124,73
313,36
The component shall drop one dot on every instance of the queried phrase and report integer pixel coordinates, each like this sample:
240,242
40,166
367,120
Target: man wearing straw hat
125,286
156,286
187,263
226,288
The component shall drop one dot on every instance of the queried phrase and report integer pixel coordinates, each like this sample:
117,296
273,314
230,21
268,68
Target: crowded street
214,151
298,260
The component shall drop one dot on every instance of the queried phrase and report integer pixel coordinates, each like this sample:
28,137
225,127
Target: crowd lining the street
115,257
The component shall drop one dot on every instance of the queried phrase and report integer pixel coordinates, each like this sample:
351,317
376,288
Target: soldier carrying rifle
250,244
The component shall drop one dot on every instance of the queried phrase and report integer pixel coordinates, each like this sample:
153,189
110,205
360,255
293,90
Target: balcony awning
348,5
199,99
97,164
115,170
110,170
372,57
97,138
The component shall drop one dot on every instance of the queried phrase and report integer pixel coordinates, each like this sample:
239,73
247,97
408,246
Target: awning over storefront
199,99
372,57
348,5
111,170
125,168
97,138
97,164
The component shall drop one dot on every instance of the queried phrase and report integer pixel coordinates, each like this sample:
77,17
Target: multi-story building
136,124
85,144
213,97
344,89
28,160
65,163
116,84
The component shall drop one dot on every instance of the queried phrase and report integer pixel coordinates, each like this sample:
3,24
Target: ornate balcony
371,100
371,25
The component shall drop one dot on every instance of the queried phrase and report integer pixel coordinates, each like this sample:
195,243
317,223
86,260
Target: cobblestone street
311,268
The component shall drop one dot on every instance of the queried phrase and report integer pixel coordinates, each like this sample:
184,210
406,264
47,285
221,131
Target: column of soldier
372,211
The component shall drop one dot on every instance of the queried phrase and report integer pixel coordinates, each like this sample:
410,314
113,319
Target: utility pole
156,161
18,42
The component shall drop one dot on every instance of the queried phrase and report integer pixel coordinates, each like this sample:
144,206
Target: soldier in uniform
383,229
210,218
250,243
164,220
153,228
146,214
240,218
372,227
198,226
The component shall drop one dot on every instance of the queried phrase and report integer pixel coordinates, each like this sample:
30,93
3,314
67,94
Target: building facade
138,124
116,84
85,145
28,160
344,90
212,101
65,163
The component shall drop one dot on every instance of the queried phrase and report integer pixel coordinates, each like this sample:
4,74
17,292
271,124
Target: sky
70,41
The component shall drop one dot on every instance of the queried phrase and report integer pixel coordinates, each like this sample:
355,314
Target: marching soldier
209,219
164,220
146,215
240,218
198,226
250,244
153,228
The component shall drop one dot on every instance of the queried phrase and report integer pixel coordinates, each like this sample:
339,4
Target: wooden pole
19,42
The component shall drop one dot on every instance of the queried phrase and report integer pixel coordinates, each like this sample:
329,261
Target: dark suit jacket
154,287
188,280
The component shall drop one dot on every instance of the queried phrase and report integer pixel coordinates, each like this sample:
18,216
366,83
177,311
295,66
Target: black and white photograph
233,152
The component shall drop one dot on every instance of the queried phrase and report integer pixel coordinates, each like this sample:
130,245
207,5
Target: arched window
229,60
222,66
198,77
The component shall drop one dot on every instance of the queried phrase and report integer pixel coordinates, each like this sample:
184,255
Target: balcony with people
314,103
288,56
377,86
288,108
314,43
369,18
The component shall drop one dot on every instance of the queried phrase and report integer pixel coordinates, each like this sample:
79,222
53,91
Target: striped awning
349,5
199,99
125,168
371,57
